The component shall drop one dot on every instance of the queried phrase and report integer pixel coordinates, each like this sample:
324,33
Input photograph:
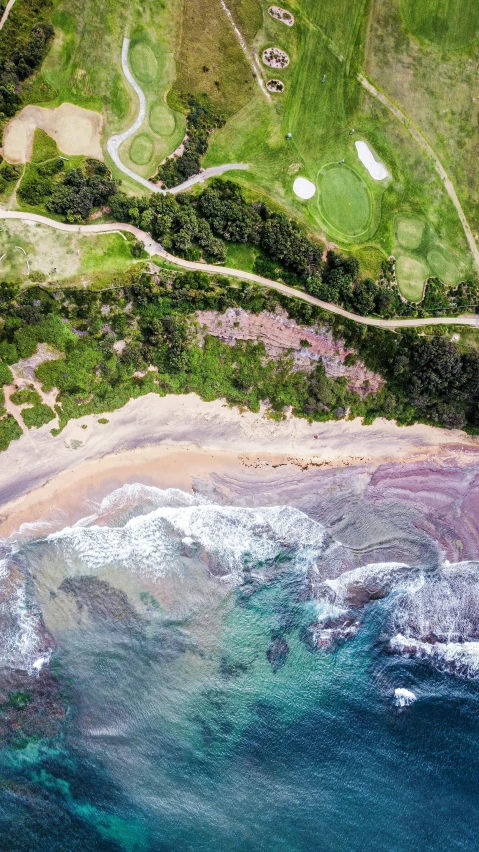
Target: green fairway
141,149
446,266
143,62
409,231
344,200
162,119
411,276
450,23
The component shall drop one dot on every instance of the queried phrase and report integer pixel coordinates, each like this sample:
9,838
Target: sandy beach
171,441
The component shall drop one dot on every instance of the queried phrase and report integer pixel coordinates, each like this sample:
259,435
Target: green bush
6,377
38,415
9,431
27,396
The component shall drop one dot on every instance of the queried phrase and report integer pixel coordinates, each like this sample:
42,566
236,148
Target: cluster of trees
200,122
427,378
71,193
24,41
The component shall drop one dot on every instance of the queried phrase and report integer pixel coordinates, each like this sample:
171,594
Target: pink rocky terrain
280,335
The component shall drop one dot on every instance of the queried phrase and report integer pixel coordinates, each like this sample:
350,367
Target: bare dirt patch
280,335
275,86
275,57
282,15
76,131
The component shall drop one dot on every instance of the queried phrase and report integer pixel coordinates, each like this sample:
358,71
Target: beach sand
172,441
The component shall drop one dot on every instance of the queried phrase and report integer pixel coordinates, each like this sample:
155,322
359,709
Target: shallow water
190,708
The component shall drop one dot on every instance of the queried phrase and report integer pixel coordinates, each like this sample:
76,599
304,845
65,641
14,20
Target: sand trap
303,188
75,130
282,15
374,167
275,86
275,57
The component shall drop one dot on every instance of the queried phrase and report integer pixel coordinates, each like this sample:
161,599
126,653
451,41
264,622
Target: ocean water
179,674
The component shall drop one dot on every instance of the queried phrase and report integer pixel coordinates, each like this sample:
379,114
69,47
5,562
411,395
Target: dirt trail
153,248
449,186
250,55
6,13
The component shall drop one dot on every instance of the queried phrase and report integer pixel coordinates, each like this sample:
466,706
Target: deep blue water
181,733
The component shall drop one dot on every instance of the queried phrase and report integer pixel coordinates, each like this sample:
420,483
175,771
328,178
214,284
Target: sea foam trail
22,645
232,536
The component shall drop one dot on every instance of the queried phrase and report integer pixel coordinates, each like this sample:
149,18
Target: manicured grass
444,265
162,119
143,62
409,231
44,147
450,23
411,275
141,149
152,65
432,84
344,200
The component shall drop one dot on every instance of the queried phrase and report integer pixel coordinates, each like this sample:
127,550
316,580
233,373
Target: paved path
449,186
114,142
154,248
6,13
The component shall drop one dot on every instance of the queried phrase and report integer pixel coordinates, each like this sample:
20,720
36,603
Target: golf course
380,179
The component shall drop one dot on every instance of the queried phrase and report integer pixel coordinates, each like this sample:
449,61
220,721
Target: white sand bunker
374,167
75,130
281,15
303,188
275,86
275,57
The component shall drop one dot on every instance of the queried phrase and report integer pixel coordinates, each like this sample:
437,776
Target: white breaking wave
230,535
377,575
131,495
22,646
404,697
458,657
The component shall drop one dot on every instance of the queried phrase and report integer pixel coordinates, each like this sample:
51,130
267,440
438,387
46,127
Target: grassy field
76,259
451,24
210,60
425,54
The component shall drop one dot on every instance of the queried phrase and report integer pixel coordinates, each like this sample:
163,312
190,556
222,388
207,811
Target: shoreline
169,441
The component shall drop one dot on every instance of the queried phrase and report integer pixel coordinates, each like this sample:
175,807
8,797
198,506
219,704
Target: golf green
143,63
345,201
409,231
411,276
141,149
162,119
447,268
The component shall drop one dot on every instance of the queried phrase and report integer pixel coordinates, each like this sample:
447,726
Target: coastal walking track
155,249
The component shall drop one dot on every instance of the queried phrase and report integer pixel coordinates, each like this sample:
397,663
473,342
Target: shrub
38,415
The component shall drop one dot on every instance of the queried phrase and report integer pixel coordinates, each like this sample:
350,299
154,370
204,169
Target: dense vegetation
71,193
201,121
24,41
427,377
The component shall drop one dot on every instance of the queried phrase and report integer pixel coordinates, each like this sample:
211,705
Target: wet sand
173,441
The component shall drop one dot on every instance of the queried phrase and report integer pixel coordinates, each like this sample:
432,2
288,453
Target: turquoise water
198,716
